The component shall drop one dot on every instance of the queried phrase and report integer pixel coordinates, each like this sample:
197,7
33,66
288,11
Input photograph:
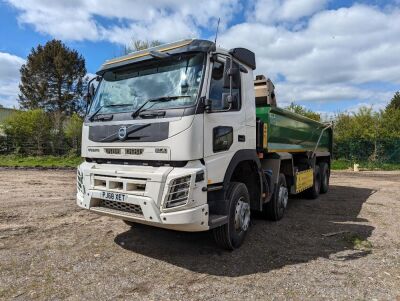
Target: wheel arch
245,167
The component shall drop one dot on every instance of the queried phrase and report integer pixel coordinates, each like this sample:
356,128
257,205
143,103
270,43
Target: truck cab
172,139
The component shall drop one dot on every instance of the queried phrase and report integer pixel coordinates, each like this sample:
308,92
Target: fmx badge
122,133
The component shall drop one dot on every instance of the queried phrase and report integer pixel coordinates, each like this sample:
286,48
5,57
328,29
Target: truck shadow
297,238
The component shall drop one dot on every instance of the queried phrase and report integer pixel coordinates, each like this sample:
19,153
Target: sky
330,56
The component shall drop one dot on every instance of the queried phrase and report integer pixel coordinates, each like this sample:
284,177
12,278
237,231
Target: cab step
216,220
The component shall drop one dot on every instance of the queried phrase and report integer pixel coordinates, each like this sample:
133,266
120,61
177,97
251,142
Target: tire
275,209
324,168
231,235
129,223
313,192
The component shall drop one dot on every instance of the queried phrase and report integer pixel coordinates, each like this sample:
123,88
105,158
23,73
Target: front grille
134,151
113,151
125,207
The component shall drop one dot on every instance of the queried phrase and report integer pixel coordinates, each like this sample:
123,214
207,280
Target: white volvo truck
180,136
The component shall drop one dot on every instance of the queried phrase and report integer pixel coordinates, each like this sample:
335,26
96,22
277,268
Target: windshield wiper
108,106
158,99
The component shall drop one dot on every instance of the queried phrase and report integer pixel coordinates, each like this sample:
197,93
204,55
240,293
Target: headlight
79,181
178,193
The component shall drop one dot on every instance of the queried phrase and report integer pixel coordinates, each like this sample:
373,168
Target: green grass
346,164
39,161
357,242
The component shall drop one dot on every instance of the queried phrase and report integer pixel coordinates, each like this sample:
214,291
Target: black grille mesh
125,207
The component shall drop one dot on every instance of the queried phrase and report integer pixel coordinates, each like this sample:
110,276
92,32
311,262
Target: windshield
126,90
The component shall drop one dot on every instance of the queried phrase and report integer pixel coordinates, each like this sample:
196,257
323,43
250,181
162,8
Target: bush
73,131
28,131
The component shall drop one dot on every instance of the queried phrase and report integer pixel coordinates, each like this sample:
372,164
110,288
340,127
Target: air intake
134,151
113,151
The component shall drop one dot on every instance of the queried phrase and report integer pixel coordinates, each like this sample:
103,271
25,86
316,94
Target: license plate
111,196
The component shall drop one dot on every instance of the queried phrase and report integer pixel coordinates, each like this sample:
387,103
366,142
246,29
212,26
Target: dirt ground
51,249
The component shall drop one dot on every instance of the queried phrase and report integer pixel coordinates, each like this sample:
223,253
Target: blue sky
328,55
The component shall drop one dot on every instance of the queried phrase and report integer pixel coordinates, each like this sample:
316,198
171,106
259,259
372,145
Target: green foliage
368,136
36,132
357,242
390,123
39,161
395,102
52,79
363,124
298,109
73,131
137,45
28,127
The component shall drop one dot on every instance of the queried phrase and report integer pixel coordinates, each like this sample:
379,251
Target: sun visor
190,45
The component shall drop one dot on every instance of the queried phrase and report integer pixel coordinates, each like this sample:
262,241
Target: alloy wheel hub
242,215
283,196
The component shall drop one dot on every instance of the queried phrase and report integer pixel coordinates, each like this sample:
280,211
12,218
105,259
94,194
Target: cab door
224,124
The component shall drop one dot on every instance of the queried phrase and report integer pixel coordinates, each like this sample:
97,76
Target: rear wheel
231,235
324,169
276,207
313,192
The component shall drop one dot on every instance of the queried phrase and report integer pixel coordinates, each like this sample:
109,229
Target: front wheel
231,235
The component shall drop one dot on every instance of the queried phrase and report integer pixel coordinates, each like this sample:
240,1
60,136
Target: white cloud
158,30
330,57
325,93
163,20
323,55
9,78
272,11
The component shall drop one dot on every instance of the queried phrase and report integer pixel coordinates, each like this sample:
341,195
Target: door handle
241,138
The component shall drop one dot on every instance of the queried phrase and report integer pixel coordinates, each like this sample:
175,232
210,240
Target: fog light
79,181
178,192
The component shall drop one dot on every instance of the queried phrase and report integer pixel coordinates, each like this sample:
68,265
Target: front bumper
146,206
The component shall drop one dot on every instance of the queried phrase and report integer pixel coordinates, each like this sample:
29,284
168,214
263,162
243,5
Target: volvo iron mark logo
122,133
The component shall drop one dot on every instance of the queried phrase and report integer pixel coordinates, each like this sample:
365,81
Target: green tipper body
290,132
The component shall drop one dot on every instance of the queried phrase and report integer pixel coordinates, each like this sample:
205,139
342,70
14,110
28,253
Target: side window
218,93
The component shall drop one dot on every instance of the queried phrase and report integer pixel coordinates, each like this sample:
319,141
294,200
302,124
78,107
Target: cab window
218,92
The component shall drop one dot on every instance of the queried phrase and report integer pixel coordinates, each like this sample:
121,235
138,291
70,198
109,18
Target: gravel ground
345,245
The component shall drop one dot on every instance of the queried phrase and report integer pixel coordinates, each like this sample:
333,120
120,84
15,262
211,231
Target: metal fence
11,145
364,150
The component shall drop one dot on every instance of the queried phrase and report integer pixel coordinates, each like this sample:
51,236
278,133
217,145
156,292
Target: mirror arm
218,111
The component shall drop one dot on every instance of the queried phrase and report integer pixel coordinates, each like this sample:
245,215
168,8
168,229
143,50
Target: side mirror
92,90
184,86
227,100
90,94
207,105
231,74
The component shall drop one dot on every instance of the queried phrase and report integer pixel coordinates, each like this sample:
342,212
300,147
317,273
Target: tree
390,127
395,102
73,131
52,79
298,109
29,131
358,133
138,45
